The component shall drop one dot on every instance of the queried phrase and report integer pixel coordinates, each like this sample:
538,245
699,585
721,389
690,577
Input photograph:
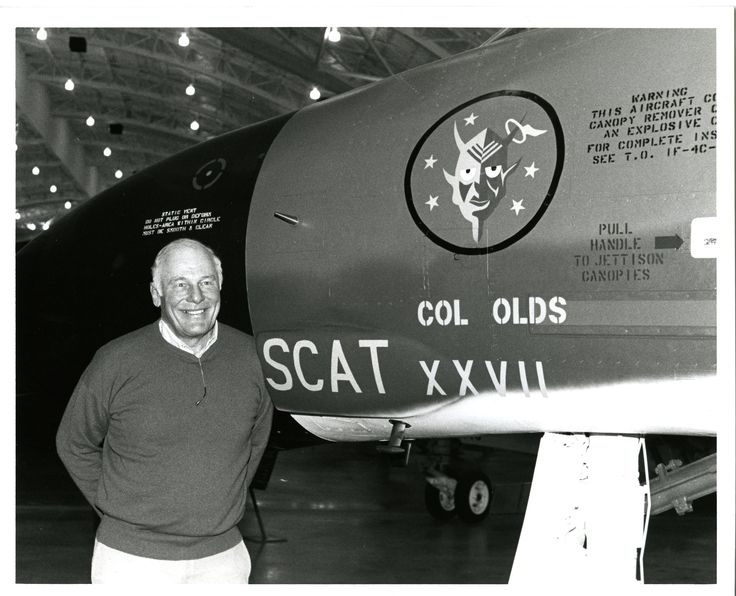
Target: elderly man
164,433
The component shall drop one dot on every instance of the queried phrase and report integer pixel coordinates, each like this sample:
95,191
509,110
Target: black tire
437,504
473,497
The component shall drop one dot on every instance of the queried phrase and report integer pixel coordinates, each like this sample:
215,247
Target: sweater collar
172,339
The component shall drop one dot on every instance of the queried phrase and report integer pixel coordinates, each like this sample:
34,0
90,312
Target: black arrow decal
668,242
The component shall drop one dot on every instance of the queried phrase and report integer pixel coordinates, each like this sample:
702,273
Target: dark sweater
169,478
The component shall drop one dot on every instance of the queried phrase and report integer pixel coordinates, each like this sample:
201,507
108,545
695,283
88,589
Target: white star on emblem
470,119
432,202
430,162
517,206
531,170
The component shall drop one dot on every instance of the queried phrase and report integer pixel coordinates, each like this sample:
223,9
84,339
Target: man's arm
80,436
259,435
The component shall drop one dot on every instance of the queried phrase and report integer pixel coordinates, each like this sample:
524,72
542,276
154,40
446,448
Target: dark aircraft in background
518,239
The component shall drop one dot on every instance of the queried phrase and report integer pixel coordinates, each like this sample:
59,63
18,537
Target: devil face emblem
481,177
479,182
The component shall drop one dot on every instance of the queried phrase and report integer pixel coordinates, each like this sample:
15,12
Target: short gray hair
181,242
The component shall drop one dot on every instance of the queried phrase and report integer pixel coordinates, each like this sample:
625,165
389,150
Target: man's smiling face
189,293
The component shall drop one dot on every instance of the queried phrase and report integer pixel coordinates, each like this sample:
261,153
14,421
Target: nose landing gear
468,497
473,497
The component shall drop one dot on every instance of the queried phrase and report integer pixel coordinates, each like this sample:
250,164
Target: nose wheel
469,497
473,496
440,503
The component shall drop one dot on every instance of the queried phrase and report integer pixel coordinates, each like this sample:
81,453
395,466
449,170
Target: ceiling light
333,34
31,226
315,94
194,125
68,205
41,34
36,171
90,121
183,40
69,85
53,188
118,174
46,225
17,215
190,90
107,152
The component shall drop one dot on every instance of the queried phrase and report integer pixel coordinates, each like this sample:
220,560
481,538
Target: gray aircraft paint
634,151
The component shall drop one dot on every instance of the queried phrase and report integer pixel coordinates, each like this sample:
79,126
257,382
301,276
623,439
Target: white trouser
111,566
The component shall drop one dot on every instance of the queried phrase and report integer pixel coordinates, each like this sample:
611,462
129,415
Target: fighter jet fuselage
517,239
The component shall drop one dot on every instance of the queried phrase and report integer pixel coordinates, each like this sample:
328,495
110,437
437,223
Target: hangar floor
350,517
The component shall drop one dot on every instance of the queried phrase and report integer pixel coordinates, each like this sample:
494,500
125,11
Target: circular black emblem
483,175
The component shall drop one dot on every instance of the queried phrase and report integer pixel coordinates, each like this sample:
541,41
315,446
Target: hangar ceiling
137,94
